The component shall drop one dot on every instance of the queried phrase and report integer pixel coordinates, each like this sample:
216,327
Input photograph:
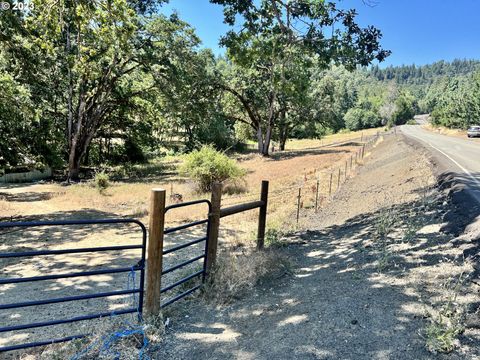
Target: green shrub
102,181
273,237
208,165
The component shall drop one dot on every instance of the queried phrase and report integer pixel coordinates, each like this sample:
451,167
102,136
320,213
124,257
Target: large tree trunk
259,139
78,150
74,160
266,141
283,130
263,140
86,127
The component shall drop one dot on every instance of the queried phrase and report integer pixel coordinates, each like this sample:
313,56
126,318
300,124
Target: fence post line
298,203
338,180
155,251
330,187
262,216
214,225
316,195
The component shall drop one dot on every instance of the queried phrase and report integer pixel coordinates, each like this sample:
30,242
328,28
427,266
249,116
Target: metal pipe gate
140,266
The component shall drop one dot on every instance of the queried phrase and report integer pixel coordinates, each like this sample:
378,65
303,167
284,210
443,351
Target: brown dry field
287,172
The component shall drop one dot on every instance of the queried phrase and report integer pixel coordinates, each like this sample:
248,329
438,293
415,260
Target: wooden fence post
351,163
262,216
346,166
214,218
298,203
338,180
316,195
155,251
330,187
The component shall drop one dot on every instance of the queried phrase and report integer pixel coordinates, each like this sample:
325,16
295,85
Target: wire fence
323,143
315,188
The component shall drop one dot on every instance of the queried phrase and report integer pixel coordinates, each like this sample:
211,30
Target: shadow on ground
345,301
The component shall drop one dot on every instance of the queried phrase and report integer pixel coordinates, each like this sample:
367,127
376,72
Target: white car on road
473,131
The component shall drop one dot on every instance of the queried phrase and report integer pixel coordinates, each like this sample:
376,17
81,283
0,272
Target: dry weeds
110,340
237,273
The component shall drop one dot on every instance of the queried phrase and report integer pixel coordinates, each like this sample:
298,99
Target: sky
416,31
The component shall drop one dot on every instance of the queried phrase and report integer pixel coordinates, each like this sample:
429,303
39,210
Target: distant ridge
424,74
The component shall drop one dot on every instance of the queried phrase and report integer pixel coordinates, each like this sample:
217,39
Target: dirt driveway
372,272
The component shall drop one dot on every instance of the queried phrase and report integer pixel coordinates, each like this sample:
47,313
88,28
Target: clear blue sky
417,31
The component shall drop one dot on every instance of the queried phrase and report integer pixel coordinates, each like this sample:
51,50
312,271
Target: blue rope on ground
108,341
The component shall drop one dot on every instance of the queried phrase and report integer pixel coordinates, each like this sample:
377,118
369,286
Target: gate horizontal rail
68,275
140,266
182,246
232,210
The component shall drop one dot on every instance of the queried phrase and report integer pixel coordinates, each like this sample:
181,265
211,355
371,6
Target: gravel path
349,297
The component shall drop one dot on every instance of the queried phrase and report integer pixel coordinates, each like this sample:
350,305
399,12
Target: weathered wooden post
316,195
299,197
214,225
346,166
330,187
338,180
262,215
155,251
351,163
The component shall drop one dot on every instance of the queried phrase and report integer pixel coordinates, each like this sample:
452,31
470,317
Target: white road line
449,157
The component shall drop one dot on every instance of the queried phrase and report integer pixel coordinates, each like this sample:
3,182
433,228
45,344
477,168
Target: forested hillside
450,91
88,85
425,74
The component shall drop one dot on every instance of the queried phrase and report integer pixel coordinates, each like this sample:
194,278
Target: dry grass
286,172
116,339
446,131
237,273
298,144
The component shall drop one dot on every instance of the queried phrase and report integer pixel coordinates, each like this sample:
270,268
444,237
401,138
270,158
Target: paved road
458,155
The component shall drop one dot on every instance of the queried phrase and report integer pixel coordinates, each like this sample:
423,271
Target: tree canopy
105,82
273,55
